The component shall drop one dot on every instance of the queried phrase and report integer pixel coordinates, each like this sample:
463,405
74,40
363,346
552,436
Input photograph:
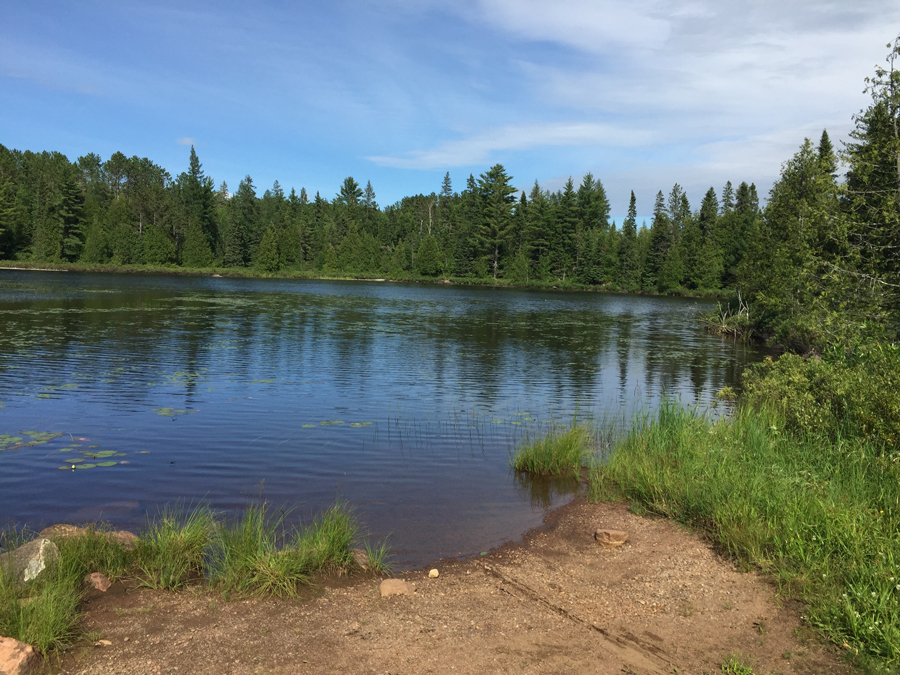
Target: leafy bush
846,393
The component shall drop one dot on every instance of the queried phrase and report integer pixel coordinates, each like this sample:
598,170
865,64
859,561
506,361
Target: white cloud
478,148
185,140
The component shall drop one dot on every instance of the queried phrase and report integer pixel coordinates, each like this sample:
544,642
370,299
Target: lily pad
361,424
85,466
328,423
310,426
106,463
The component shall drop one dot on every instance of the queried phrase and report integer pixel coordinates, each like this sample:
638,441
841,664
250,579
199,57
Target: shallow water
405,400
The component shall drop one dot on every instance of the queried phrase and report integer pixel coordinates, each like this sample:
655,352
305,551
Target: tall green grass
821,514
253,555
170,552
45,612
557,453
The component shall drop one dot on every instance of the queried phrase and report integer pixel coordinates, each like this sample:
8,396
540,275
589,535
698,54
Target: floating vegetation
361,424
171,412
310,426
38,437
328,423
45,395
269,381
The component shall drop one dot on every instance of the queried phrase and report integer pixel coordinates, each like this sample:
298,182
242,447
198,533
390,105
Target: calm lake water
405,400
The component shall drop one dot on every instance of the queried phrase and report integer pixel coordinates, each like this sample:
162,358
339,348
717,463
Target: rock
125,538
391,587
61,531
16,658
29,560
360,557
433,574
99,581
610,538
103,643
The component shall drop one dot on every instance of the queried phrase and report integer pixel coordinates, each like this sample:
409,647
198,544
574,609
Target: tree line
126,211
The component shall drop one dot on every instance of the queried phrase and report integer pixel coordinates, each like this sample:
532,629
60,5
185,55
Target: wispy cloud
185,140
479,148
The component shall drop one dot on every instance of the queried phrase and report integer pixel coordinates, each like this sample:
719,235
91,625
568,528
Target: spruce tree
196,251
267,259
628,250
428,257
497,196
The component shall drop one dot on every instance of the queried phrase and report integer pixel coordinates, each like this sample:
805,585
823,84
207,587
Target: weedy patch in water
328,423
171,412
556,453
356,425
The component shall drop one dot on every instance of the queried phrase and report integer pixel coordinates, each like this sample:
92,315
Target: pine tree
660,242
564,245
782,275
826,154
428,257
497,196
157,246
198,194
629,260
196,251
267,258
727,203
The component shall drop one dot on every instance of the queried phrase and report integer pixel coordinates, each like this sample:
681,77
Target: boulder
16,658
29,560
610,538
433,574
391,587
99,581
61,531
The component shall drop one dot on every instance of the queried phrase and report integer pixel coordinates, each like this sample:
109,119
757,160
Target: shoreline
316,275
553,601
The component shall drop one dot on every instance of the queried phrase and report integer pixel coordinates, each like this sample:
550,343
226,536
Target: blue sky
641,93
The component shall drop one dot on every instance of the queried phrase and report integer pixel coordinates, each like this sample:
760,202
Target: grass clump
326,543
170,552
378,557
248,556
819,511
555,454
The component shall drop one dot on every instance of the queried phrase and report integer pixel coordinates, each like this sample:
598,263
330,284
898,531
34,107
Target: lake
405,400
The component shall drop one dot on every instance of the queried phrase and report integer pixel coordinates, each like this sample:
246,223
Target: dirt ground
555,603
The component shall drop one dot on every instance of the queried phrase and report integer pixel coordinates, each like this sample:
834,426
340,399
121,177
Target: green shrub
843,394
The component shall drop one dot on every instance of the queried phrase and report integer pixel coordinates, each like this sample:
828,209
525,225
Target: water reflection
405,399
